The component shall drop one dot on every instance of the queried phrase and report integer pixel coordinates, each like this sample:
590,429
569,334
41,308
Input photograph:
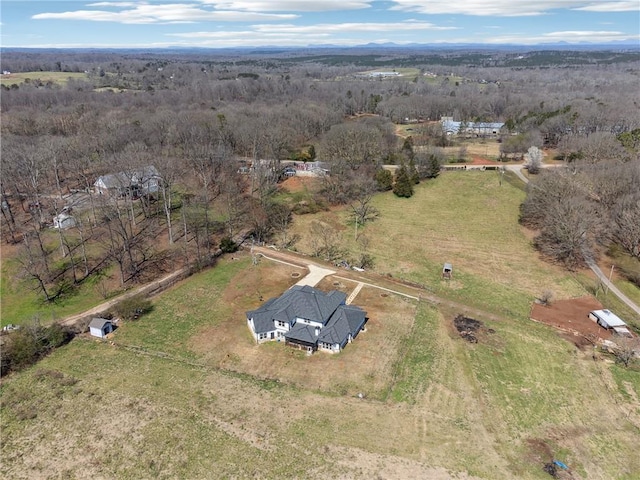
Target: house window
263,336
281,324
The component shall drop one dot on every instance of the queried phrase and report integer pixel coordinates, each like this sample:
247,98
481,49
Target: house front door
272,335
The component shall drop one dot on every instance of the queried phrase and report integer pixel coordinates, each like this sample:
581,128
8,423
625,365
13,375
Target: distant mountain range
582,46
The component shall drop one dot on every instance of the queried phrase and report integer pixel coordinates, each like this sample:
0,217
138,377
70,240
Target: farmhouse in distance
308,319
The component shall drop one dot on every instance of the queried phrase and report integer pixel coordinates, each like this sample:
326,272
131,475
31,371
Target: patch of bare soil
571,317
365,365
541,453
470,328
298,184
478,160
357,463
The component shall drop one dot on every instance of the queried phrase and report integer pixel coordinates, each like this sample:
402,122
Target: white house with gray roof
139,181
307,318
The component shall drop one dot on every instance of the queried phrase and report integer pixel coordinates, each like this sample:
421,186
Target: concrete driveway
315,275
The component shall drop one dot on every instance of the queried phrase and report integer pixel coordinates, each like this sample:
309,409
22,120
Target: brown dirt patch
572,318
478,160
364,366
298,184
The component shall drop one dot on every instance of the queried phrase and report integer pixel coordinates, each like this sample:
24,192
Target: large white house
307,318
141,181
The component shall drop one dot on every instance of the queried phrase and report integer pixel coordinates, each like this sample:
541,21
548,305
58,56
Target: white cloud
569,36
296,35
350,27
290,5
163,13
612,6
112,4
510,8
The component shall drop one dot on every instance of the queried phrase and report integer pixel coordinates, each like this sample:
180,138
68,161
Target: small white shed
100,327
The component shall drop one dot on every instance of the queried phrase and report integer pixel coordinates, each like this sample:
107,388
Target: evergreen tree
432,169
407,148
413,172
312,152
384,180
403,186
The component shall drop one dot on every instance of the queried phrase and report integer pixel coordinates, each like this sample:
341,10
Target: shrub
546,298
30,343
384,180
227,245
133,307
365,261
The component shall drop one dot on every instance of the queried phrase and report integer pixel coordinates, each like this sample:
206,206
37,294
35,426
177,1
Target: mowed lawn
467,219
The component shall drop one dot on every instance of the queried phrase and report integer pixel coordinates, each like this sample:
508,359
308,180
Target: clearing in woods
468,219
60,78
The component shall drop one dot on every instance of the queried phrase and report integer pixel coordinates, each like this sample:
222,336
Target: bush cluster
30,343
133,307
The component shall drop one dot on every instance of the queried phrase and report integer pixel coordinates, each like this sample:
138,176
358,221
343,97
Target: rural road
517,169
156,285
603,278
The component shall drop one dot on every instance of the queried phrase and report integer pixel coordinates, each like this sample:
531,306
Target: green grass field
469,220
21,302
198,399
58,78
452,406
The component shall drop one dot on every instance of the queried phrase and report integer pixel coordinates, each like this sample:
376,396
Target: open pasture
466,218
189,392
200,396
58,78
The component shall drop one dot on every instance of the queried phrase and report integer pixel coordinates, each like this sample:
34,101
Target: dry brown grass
365,365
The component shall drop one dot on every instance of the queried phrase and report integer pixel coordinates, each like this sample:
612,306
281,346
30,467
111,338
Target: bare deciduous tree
533,159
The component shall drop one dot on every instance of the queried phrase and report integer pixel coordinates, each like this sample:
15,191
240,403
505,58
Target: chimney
317,331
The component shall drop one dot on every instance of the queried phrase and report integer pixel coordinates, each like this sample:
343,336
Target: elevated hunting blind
447,271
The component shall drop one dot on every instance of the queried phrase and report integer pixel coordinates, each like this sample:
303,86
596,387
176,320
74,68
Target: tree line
205,122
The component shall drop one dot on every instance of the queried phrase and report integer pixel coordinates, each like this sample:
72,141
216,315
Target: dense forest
218,127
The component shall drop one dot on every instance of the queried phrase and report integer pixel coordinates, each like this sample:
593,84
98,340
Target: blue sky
233,23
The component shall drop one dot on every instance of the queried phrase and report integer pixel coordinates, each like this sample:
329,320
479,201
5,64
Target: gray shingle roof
297,302
338,320
126,179
98,323
115,180
347,320
302,333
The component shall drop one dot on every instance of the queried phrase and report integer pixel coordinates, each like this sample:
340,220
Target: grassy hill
185,393
467,219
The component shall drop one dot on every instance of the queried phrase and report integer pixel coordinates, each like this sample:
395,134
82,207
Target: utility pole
606,291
